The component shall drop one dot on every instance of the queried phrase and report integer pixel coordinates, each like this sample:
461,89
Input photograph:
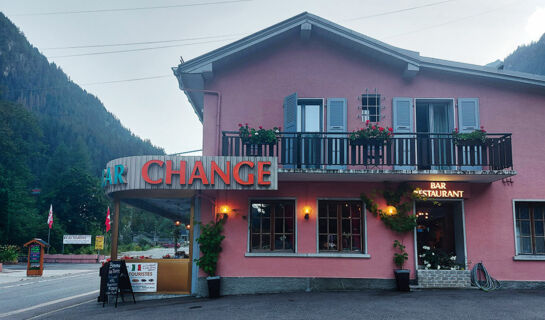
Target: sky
471,31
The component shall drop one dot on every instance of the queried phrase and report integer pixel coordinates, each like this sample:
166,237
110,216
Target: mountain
528,58
56,137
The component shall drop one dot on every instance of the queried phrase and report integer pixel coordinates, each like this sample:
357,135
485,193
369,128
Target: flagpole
48,236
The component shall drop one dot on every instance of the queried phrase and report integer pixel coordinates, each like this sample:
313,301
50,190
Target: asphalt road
65,285
370,304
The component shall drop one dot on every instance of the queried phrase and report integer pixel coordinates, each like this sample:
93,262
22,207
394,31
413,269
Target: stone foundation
444,279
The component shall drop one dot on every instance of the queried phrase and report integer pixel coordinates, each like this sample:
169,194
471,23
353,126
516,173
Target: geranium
374,132
477,136
258,136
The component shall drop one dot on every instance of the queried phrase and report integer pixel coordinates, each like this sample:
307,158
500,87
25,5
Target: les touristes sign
175,172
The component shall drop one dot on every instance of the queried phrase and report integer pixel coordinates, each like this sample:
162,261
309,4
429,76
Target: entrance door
435,122
440,231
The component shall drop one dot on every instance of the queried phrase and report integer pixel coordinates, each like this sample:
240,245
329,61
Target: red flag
50,217
107,223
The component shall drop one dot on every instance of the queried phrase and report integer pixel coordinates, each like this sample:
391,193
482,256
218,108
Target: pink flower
373,127
240,124
246,123
391,129
260,127
367,122
381,129
279,128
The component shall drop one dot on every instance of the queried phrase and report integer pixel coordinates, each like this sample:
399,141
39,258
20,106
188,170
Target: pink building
319,82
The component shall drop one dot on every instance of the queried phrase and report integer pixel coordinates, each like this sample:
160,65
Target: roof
192,74
38,241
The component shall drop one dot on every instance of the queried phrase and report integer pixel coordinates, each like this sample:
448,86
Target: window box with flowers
475,138
256,139
371,135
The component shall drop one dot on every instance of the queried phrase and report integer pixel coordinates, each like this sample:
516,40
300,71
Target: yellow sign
439,190
99,243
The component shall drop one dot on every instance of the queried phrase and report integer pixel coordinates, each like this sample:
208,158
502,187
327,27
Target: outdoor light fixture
188,227
390,211
177,223
307,210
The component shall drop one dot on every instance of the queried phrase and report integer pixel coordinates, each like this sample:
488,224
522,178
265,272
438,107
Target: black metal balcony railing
422,151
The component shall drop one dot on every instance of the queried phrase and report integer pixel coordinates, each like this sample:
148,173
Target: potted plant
402,275
371,134
477,137
210,246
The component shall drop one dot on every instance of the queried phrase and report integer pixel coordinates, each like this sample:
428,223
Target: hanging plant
401,199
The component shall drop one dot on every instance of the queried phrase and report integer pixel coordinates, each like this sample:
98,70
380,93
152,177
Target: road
61,286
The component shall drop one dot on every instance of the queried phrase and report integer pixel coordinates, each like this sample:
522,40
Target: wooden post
192,227
115,230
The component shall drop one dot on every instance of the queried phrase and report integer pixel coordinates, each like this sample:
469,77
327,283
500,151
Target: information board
76,239
35,255
143,276
99,243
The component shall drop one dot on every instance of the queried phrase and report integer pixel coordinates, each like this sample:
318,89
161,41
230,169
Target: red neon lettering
261,173
145,171
226,177
236,173
170,172
200,175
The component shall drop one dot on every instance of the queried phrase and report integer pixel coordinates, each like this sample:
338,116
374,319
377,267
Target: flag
50,217
107,223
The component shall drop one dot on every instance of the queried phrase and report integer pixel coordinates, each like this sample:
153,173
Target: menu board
143,276
114,271
35,255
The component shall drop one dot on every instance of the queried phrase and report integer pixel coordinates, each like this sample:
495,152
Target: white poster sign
76,239
143,276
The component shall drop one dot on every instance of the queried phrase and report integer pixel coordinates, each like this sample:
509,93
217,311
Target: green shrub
9,253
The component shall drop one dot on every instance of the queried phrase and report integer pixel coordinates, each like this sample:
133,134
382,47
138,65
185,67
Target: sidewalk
369,304
12,274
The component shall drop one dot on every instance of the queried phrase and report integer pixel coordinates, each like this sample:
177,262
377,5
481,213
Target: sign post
99,243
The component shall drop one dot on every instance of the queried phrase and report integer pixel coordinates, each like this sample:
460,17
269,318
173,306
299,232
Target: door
310,125
336,145
434,123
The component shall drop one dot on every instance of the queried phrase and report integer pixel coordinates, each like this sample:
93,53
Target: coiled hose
488,284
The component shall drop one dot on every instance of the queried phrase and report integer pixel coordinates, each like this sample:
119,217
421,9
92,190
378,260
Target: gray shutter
468,121
288,156
468,114
403,123
290,113
336,115
403,115
336,122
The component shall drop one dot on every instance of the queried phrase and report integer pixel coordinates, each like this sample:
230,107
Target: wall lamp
307,211
390,211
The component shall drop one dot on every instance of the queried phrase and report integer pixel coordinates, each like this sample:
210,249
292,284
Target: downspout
218,112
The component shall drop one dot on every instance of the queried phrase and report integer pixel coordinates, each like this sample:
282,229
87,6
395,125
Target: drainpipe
218,112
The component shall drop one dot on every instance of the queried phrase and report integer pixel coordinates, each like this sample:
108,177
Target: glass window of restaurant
341,226
272,225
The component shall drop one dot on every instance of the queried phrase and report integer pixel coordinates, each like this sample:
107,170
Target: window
370,107
530,232
340,226
272,225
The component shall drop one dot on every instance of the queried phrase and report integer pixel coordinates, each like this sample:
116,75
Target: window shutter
336,115
403,123
336,122
468,114
290,113
403,115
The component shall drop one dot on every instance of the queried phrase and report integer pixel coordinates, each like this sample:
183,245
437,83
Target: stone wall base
444,279
253,285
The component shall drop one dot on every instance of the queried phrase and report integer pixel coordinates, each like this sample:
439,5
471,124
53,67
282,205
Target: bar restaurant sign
197,173
442,190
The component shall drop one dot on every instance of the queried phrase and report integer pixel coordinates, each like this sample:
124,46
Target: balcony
321,156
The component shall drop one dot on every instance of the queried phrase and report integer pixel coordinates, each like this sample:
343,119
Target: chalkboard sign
35,251
118,280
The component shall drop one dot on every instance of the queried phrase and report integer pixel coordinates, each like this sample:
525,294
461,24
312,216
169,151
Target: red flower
482,127
279,128
389,133
381,129
240,124
391,129
455,129
260,127
367,122
246,123
373,127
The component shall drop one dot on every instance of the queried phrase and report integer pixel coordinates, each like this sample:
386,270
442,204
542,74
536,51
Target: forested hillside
528,58
56,137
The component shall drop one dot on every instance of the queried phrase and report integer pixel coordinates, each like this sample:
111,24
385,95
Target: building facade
318,82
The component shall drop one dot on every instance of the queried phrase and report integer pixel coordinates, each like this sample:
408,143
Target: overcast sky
472,31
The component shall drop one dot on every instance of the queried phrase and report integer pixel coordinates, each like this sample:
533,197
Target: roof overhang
193,74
